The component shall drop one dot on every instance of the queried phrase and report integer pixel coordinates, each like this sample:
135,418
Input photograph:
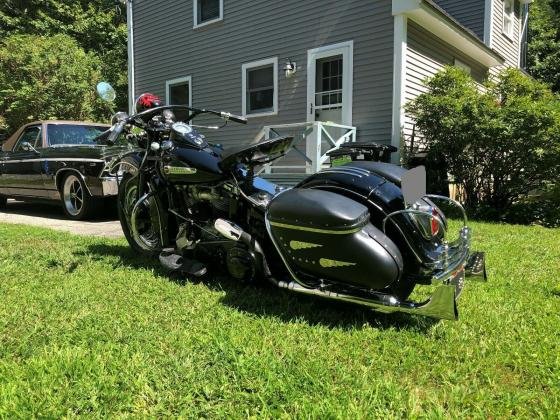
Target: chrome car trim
56,175
54,160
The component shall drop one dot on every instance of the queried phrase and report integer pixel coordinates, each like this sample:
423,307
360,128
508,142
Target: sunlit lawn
88,328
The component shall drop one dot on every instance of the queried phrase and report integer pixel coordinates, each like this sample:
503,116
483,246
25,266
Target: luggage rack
452,256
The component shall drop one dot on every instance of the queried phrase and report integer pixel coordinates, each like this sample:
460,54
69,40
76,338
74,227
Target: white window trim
248,66
197,25
178,81
511,17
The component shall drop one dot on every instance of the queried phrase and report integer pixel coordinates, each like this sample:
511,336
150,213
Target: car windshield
71,134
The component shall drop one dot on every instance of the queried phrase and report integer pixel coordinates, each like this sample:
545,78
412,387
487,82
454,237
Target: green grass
87,328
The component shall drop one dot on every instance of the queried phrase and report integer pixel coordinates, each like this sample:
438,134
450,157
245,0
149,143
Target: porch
309,154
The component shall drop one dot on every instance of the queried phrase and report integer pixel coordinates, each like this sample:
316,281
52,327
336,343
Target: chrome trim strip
316,230
72,170
54,160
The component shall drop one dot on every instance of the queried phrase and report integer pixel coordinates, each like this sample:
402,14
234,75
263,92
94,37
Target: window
508,18
260,88
179,92
462,65
329,83
31,135
207,11
69,134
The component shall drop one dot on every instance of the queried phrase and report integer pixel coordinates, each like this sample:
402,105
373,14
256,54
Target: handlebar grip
236,118
114,134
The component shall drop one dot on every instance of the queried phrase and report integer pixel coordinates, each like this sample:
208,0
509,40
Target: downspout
131,81
524,37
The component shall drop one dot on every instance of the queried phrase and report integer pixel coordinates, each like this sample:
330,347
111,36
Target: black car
59,160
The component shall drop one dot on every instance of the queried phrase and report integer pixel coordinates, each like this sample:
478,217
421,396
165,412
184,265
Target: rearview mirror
106,92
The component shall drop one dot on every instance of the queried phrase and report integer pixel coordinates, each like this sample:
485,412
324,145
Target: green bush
47,78
500,142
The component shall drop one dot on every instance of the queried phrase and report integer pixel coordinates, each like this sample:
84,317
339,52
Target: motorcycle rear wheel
145,238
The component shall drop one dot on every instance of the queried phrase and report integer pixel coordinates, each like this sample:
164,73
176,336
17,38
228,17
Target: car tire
3,202
77,202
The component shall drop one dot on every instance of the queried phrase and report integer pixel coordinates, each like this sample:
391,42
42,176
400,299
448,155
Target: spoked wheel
76,200
140,221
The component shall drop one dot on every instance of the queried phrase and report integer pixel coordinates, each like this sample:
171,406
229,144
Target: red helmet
147,101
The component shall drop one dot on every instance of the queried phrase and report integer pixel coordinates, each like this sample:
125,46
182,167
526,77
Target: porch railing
311,144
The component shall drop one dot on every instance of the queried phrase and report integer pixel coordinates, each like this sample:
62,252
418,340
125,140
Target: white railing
312,143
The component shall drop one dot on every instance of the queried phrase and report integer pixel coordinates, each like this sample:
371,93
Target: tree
499,143
48,77
543,58
98,26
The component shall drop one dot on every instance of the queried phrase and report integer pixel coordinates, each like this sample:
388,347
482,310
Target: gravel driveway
51,216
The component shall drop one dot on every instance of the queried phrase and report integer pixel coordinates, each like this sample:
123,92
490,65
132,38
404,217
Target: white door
329,83
329,90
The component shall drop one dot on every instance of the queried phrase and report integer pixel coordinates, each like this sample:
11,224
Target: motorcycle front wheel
140,222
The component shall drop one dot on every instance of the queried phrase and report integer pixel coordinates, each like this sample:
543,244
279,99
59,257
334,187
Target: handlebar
111,135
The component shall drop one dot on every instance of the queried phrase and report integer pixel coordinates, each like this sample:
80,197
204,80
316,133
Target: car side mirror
27,147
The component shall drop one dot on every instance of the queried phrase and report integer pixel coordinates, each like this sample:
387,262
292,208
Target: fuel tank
187,165
326,236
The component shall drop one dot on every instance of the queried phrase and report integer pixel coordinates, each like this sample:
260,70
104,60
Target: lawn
88,328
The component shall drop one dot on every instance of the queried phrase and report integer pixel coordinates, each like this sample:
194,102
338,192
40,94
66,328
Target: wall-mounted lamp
290,68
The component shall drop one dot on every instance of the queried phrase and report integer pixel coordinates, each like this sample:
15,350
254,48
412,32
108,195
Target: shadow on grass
264,300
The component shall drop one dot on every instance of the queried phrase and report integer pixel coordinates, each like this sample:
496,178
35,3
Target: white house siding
506,47
426,55
167,47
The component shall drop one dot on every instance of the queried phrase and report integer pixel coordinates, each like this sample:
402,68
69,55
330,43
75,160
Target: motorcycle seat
317,209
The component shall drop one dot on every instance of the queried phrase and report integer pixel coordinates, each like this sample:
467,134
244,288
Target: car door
22,168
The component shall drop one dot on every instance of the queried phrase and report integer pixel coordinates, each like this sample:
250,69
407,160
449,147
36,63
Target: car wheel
3,202
76,200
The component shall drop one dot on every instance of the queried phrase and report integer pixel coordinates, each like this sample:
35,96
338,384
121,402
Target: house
335,70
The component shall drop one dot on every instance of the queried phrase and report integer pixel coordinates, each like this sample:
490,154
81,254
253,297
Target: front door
21,174
329,89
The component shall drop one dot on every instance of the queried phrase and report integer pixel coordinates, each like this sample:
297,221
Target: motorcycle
364,232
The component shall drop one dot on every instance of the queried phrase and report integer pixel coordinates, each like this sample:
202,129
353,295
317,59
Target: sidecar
367,232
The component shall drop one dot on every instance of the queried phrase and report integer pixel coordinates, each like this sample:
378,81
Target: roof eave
431,17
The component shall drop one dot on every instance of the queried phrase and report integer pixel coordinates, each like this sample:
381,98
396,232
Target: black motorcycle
362,232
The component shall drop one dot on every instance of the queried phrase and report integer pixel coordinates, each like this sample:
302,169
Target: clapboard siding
506,47
469,13
167,47
426,55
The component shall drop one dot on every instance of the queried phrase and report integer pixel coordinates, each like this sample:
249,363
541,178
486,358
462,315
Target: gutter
436,20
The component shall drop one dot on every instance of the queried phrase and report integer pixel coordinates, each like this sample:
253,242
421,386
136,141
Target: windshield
71,134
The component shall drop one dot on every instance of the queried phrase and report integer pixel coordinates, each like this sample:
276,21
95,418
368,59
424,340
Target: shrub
46,78
500,142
